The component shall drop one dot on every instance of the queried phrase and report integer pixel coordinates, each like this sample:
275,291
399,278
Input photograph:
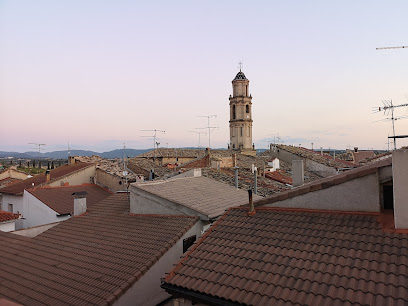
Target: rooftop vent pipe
251,204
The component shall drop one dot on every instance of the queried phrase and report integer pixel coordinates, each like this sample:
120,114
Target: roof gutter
195,296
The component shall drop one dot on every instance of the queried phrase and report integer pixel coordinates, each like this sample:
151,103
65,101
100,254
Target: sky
98,74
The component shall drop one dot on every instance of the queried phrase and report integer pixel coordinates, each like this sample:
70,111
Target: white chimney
79,202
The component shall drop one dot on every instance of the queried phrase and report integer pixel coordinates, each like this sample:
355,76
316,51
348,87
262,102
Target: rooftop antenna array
154,136
383,48
210,128
389,108
38,145
69,150
199,136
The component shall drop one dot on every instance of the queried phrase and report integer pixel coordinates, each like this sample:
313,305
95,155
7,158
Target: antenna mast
209,127
39,145
199,136
383,48
388,106
154,136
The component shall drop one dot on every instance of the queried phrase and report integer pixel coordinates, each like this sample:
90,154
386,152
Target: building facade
241,116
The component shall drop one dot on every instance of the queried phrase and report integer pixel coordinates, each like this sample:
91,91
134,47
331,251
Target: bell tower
241,116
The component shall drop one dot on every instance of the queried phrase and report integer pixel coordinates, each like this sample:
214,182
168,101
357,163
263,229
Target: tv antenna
69,150
39,145
199,136
154,136
383,48
389,108
210,128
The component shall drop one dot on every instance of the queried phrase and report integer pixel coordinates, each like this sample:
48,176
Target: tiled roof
201,194
18,187
7,181
87,260
327,182
8,216
324,159
240,76
164,152
361,155
111,166
294,257
61,199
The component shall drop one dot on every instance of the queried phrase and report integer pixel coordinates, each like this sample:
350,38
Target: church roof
240,76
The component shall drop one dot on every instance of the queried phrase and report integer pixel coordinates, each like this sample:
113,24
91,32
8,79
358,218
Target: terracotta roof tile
201,194
295,257
61,200
87,259
18,187
8,216
327,182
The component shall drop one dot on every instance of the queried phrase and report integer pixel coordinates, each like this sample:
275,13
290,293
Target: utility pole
209,127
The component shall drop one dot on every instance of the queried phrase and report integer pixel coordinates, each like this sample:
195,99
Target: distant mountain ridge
64,154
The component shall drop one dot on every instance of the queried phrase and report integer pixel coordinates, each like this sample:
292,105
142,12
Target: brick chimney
79,202
251,211
47,176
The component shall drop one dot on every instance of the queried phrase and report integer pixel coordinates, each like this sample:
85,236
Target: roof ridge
310,210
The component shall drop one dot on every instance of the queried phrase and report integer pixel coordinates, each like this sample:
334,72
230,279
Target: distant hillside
64,154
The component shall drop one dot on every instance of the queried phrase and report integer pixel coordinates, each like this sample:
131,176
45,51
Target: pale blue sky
96,73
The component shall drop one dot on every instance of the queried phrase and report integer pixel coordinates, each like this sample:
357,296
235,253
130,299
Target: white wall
83,176
361,194
16,200
400,179
147,291
37,213
8,226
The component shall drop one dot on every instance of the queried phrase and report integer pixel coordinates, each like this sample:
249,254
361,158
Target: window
233,112
10,208
246,90
241,130
187,242
247,108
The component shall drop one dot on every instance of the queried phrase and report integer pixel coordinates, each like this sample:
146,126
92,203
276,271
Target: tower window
233,112
246,90
247,108
241,130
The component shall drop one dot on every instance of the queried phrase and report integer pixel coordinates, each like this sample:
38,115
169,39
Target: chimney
251,211
79,202
71,160
298,175
207,151
47,176
355,149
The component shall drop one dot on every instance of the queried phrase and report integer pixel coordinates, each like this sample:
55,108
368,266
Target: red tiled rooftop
61,200
327,182
8,216
87,260
287,257
18,187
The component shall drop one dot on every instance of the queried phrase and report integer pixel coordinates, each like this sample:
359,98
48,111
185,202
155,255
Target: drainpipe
255,181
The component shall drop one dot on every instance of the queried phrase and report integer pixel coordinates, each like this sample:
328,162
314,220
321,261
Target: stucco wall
34,231
361,194
109,181
16,200
400,179
37,213
147,291
12,173
8,226
83,176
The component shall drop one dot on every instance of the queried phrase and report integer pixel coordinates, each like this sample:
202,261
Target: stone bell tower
241,116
